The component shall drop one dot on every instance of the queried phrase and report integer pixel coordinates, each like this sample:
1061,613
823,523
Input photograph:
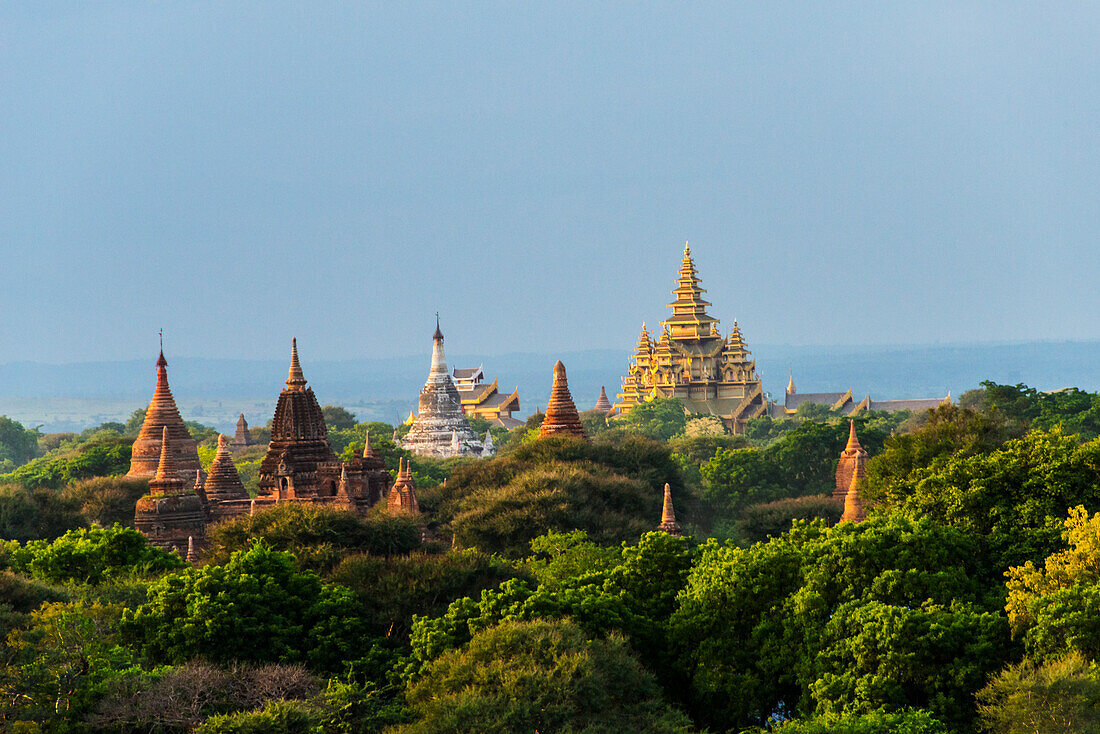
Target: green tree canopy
539,676
257,607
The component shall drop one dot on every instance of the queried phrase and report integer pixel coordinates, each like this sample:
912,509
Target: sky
241,173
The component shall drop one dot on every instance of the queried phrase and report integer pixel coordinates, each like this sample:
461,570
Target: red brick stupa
561,414
853,453
403,495
171,512
668,515
223,482
603,404
855,509
162,414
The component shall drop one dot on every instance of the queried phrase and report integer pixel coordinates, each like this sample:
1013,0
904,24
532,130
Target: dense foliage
532,594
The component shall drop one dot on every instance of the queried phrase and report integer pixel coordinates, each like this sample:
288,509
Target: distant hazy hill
70,396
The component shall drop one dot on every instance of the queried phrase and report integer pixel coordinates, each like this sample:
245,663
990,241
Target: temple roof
561,414
299,436
689,308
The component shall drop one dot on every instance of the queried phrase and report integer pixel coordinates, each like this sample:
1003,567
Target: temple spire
602,403
853,440
295,380
167,480
439,359
561,412
668,515
166,468
790,384
854,509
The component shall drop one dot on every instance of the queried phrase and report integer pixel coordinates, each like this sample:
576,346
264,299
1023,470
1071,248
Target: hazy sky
240,173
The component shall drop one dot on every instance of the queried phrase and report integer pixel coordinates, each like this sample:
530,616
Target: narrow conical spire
853,442
454,440
192,556
602,403
167,480
668,514
166,468
295,380
687,249
367,450
561,412
790,384
439,359
854,509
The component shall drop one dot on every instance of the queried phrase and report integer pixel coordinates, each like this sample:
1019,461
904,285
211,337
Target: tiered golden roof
692,362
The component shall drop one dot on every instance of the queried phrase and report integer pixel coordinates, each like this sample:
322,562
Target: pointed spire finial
687,249
438,334
853,441
295,378
166,468
161,361
668,514
790,383
192,556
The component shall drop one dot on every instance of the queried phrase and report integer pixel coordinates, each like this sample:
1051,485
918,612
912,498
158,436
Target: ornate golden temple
692,362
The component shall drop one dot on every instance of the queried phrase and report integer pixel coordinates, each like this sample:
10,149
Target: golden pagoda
692,362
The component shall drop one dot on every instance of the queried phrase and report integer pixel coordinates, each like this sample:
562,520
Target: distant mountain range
214,391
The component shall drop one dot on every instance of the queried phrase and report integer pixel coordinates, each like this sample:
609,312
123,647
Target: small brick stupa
223,483
853,453
603,404
561,418
161,414
440,429
403,495
668,515
299,445
241,438
171,512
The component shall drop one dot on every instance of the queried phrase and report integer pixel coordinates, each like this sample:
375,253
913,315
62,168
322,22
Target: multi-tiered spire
692,362
689,318
162,413
561,414
440,429
299,438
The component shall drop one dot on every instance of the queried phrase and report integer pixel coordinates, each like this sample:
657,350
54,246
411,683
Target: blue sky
238,173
